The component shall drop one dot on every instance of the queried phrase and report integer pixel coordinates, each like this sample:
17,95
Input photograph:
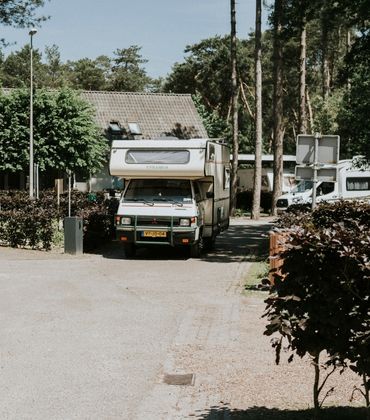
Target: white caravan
246,177
177,192
352,184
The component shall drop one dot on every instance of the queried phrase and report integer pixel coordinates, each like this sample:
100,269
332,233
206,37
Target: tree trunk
255,214
348,48
234,111
316,386
366,395
278,105
310,112
302,82
325,70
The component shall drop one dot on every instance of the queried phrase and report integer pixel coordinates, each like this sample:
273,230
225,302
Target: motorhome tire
130,250
197,248
209,243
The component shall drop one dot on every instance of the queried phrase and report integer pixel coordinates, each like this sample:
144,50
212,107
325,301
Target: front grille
282,202
156,221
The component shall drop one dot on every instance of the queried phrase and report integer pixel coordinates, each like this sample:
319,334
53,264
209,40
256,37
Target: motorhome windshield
303,186
159,190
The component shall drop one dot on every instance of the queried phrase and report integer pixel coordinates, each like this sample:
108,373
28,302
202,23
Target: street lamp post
32,32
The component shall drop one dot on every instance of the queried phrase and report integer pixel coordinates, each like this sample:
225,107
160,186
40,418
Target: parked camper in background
352,184
245,180
245,175
176,194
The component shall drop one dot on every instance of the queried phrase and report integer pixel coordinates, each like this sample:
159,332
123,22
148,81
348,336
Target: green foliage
127,73
54,70
34,223
346,213
20,13
257,275
326,112
206,71
205,74
123,72
65,134
25,222
356,102
89,74
16,68
215,125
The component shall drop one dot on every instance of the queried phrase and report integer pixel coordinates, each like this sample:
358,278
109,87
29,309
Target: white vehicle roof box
158,158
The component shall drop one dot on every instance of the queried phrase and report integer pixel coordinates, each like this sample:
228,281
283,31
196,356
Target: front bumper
142,235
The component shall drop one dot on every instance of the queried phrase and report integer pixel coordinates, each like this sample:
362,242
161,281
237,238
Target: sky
163,28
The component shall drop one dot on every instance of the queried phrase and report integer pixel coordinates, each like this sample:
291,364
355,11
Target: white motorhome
177,192
352,184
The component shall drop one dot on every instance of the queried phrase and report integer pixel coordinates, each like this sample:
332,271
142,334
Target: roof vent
114,127
134,128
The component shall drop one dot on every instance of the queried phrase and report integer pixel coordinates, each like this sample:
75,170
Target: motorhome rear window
358,184
167,157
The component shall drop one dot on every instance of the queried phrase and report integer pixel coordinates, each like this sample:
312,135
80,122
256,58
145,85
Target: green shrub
25,222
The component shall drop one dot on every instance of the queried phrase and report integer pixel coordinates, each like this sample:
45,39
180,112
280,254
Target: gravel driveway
103,337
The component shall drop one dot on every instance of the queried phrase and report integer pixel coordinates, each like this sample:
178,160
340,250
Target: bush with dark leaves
320,299
25,222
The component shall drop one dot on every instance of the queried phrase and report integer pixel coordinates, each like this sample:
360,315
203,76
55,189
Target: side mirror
210,194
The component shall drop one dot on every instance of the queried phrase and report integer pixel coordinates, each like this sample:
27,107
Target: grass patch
247,213
259,270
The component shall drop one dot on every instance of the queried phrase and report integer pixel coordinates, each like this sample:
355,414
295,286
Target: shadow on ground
238,243
244,242
262,413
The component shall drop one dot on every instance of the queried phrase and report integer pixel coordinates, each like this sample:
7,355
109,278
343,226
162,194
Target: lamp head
32,32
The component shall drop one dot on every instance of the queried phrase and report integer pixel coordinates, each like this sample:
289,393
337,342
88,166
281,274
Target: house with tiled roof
153,114
134,116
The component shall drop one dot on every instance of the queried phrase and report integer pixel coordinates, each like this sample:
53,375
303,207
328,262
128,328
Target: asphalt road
93,337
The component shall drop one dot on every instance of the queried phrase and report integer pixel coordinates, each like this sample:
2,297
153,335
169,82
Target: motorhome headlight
188,222
125,220
297,200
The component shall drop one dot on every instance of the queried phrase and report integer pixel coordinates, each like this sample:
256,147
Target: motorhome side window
211,152
167,157
197,193
358,184
226,178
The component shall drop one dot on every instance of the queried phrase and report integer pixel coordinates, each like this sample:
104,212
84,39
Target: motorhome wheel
197,249
209,243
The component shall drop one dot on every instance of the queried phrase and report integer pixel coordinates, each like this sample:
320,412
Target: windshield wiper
142,200
170,200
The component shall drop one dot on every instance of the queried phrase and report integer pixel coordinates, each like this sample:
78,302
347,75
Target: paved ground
93,337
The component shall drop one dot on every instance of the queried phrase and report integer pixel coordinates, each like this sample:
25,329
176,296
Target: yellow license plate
154,234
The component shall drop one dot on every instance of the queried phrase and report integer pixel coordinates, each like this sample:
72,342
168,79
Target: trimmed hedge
25,222
320,299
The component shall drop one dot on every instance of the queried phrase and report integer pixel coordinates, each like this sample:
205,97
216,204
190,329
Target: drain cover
179,379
